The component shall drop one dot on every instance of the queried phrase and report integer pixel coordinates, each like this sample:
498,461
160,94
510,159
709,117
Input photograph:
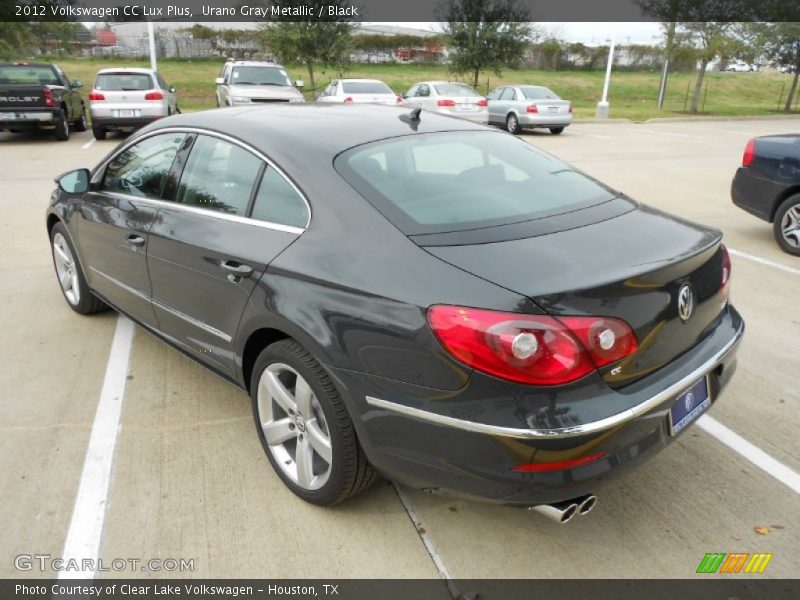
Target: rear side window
142,169
123,82
24,74
278,202
456,181
539,93
365,87
218,176
454,89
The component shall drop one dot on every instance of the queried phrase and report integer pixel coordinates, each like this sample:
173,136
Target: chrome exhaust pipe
586,504
561,512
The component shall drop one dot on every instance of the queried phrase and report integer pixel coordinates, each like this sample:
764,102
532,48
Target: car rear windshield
123,82
454,89
23,74
457,181
539,93
259,76
366,87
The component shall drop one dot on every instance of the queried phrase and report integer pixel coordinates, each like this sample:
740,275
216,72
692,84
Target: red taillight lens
570,108
348,100
749,153
530,349
96,96
560,465
154,96
399,100
532,109
445,103
48,98
483,102
725,288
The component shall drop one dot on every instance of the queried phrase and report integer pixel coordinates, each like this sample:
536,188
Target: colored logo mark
735,562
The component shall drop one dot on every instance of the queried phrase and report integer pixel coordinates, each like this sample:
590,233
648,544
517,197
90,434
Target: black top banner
396,10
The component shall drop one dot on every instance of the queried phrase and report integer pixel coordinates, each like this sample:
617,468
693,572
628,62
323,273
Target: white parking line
656,132
754,454
764,261
88,144
88,516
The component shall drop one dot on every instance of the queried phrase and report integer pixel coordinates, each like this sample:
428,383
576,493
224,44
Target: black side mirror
74,182
173,89
75,85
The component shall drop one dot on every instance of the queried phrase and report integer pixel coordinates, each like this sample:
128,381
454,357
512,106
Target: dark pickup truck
39,96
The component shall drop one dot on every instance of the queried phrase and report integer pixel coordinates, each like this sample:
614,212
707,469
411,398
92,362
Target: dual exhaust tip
563,512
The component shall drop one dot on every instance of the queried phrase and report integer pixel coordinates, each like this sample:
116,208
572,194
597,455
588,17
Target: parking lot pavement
190,479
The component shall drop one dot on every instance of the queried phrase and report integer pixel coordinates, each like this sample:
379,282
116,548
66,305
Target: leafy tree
322,40
780,43
711,39
485,35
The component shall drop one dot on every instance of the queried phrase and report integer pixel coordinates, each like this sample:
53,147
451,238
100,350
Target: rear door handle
236,268
135,240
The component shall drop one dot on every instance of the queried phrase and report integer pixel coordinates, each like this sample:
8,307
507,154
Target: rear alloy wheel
304,427
787,225
62,127
99,133
80,124
556,130
70,275
512,124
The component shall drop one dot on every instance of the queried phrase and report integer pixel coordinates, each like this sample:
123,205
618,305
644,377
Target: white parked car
456,99
125,99
243,82
739,66
359,91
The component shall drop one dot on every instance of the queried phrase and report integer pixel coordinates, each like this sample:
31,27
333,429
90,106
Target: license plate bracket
689,405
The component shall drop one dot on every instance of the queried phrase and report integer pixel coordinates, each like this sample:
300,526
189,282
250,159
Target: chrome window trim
566,432
206,211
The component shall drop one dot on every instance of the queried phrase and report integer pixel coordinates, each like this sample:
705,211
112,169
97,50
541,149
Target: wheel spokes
280,431
304,459
279,393
319,441
302,396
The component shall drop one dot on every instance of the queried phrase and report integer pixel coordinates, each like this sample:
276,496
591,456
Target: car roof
359,79
139,70
254,63
304,133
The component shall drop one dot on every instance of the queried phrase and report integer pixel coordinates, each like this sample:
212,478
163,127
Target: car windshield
454,89
22,74
366,87
119,82
539,93
259,76
456,181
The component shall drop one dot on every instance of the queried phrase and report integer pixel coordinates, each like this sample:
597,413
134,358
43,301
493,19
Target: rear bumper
122,123
544,120
25,118
755,194
481,117
464,447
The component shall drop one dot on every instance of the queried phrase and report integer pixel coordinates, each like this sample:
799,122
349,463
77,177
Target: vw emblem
300,422
689,401
685,302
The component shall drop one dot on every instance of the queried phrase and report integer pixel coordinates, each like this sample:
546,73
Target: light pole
151,34
603,105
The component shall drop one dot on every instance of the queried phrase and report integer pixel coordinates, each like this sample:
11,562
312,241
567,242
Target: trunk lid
20,96
632,267
551,107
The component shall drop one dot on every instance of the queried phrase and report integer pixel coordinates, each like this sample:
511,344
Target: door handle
236,268
135,240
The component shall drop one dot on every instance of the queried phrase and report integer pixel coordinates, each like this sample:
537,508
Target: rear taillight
530,349
48,98
749,153
483,102
532,109
725,287
399,100
96,96
154,96
445,103
570,108
348,100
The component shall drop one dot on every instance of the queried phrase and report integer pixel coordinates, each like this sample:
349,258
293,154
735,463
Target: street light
603,105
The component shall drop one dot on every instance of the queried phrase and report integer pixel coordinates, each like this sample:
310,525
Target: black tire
99,133
177,109
80,124
62,127
512,124
783,219
556,130
350,472
87,302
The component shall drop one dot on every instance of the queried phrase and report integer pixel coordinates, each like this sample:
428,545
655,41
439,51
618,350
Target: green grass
632,95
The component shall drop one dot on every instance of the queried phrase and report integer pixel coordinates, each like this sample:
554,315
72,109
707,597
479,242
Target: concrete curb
690,119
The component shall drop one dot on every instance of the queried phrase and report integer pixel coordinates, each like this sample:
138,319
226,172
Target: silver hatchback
126,99
518,107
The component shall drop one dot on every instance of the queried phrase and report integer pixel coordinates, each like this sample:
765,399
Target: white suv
243,82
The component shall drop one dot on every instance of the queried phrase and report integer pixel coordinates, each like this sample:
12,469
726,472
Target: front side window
424,91
218,176
455,181
278,202
142,169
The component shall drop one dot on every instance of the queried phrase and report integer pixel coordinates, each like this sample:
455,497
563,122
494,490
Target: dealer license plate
127,113
689,406
7,116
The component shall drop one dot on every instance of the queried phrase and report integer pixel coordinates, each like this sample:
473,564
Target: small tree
711,39
485,35
322,40
780,43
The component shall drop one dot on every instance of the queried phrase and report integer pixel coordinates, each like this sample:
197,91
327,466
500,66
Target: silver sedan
518,107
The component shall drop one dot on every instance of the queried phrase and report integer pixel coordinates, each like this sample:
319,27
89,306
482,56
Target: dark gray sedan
518,107
405,293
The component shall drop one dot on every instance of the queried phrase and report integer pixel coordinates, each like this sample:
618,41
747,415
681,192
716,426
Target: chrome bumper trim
577,430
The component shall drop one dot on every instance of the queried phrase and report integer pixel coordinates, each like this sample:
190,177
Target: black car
40,96
767,185
407,294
